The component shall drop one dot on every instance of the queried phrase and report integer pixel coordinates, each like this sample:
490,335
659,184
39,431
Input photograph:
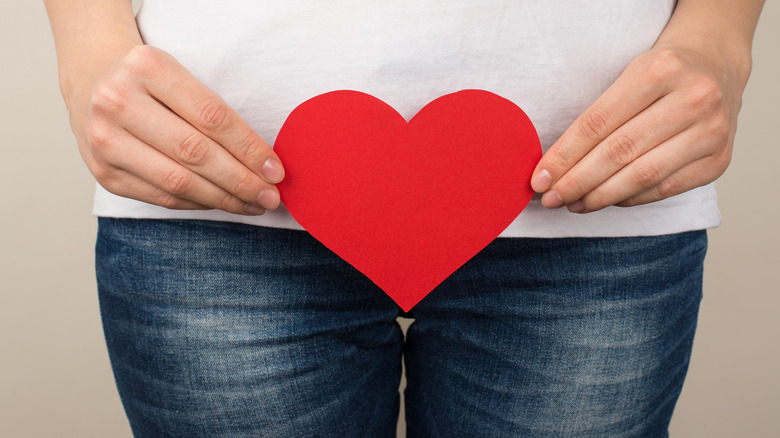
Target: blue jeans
225,330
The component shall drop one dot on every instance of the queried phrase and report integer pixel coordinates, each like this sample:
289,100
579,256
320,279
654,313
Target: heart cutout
407,204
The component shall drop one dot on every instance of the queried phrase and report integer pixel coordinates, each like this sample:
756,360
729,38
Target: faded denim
225,330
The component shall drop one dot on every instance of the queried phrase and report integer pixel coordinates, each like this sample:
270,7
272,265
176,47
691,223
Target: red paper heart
407,203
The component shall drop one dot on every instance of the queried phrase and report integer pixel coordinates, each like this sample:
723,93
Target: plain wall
55,378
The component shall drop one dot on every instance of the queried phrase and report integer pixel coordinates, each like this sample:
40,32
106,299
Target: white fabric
552,58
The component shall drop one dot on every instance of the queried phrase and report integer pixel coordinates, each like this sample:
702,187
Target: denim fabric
217,329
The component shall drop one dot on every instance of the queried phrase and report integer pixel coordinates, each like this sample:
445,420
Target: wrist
719,34
730,60
90,36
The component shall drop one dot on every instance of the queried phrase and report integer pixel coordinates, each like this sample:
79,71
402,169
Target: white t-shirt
552,58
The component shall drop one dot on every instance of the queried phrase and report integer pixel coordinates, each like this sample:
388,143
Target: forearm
717,30
90,35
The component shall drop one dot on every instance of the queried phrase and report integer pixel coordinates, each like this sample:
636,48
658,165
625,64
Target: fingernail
552,199
541,181
273,171
576,207
268,199
254,210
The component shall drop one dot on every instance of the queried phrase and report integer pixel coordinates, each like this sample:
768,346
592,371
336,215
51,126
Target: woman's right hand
149,130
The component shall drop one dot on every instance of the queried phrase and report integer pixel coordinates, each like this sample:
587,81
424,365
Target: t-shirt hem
694,210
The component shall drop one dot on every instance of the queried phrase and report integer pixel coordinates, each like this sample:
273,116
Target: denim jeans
218,329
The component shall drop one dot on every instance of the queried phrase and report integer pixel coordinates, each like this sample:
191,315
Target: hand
664,127
150,131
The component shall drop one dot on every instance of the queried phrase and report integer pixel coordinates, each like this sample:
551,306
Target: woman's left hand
665,126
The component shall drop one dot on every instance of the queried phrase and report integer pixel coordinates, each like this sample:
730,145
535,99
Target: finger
631,93
645,173
696,174
175,87
136,157
641,134
159,127
125,184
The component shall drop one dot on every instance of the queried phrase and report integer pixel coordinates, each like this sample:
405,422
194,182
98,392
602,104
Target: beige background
55,379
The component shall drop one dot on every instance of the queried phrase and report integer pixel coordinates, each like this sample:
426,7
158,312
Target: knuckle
192,149
165,199
244,184
719,127
247,149
229,203
113,180
141,59
621,149
104,175
648,175
561,157
630,202
178,182
100,135
211,114
669,187
663,64
576,190
596,200
571,189
705,93
721,162
108,97
593,124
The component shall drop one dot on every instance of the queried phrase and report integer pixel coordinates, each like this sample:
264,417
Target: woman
222,318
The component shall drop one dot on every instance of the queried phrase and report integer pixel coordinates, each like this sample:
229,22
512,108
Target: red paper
407,203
